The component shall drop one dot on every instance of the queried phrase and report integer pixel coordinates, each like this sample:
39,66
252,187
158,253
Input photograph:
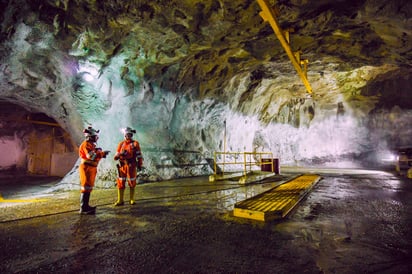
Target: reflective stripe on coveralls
87,177
88,168
128,170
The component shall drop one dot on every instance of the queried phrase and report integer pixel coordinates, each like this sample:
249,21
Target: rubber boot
93,208
120,194
132,202
84,204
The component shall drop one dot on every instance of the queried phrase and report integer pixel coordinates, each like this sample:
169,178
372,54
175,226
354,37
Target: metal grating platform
277,202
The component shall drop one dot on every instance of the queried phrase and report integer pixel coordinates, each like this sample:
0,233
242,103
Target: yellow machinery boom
300,65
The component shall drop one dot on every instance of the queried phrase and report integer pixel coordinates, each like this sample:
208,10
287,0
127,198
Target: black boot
84,204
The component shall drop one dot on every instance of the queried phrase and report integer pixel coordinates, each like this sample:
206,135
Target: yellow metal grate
277,202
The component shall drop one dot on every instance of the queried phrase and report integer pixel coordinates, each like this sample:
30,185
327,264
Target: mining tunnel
33,143
275,135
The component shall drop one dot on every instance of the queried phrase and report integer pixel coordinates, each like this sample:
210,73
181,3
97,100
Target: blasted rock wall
195,76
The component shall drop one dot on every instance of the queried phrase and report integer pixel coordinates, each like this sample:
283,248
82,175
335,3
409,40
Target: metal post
214,162
224,147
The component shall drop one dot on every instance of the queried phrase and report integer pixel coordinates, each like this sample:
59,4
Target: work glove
105,153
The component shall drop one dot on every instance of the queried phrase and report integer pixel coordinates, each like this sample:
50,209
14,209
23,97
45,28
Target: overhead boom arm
300,65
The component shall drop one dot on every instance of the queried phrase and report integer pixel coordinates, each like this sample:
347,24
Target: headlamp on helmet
90,132
128,130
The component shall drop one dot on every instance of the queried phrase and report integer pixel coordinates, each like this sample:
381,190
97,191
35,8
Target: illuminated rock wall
177,72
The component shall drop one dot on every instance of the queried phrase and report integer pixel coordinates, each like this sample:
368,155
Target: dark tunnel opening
33,144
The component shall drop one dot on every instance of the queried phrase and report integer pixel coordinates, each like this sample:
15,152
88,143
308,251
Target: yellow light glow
2,200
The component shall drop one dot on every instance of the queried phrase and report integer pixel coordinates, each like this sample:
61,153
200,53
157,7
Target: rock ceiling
198,76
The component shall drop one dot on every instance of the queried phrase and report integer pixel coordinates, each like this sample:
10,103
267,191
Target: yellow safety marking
2,200
277,202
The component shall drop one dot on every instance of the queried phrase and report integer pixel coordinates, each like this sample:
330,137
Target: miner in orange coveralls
130,161
90,157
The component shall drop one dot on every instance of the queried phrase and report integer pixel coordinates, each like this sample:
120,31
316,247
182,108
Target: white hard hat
128,130
89,131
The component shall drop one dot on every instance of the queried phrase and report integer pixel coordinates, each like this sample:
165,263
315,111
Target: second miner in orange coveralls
130,160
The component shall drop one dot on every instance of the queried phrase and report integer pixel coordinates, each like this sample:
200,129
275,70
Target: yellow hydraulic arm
300,65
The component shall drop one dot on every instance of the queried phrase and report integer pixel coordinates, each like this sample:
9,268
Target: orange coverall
90,157
130,159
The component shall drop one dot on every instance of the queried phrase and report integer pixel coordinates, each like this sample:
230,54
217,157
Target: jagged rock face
194,77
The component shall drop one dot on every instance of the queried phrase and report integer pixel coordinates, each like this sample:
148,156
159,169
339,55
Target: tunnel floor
353,221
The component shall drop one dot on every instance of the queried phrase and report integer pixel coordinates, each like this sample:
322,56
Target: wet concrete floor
353,221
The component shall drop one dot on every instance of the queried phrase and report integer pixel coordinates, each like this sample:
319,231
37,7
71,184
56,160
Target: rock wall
194,77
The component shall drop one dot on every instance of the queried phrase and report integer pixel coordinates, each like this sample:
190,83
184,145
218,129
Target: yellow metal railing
246,159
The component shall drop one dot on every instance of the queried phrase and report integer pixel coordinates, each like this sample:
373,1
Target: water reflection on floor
353,221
